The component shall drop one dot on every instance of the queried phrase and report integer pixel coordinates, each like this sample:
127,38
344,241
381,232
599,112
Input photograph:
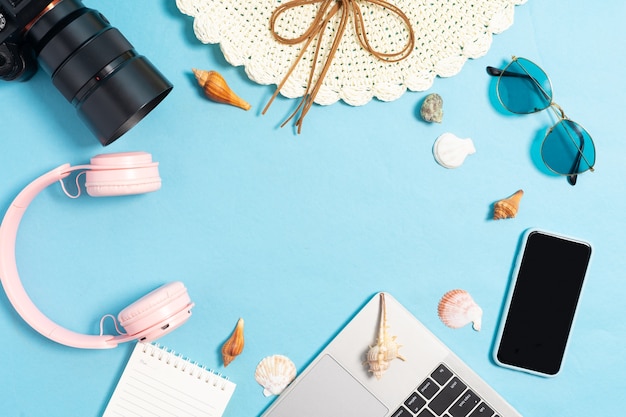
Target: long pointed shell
234,345
450,151
216,88
274,373
508,207
457,308
386,349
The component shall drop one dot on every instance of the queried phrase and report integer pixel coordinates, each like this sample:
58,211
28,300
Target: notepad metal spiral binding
185,364
157,381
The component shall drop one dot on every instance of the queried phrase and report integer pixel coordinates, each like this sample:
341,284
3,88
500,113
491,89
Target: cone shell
457,308
216,89
234,345
508,207
274,373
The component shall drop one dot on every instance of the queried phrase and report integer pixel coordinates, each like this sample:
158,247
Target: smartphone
539,312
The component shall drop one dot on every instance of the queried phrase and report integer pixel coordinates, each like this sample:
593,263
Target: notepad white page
157,382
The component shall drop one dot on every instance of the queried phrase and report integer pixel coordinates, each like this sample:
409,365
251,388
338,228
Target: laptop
431,381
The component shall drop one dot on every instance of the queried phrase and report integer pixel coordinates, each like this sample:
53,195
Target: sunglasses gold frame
558,111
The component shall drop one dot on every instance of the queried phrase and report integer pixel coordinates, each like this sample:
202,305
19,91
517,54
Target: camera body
90,62
17,60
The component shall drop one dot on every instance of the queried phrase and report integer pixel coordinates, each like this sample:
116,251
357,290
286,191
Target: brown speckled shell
432,108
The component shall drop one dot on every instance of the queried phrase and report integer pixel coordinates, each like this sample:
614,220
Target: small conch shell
457,308
508,207
386,348
432,108
216,88
274,373
450,151
234,345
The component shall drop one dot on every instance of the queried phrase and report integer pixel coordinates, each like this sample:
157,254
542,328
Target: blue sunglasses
524,88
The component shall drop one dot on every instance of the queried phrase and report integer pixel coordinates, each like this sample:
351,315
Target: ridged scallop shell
450,150
432,108
274,373
508,207
457,308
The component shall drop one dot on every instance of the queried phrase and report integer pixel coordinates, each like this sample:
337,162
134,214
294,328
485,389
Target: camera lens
96,68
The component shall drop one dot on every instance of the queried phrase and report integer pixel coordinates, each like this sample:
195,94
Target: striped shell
457,308
274,373
234,345
508,207
216,89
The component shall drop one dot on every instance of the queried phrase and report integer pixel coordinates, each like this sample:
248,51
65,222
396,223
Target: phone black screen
543,302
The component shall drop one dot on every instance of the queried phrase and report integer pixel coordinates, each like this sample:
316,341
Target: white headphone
148,318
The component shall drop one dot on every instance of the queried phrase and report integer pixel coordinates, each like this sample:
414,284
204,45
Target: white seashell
386,348
450,151
457,308
274,373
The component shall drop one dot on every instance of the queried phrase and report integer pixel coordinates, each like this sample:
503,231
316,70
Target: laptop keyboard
444,394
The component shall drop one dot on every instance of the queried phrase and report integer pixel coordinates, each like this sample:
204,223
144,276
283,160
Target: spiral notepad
159,382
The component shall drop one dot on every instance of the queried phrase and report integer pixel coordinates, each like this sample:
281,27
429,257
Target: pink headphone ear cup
122,188
122,174
152,311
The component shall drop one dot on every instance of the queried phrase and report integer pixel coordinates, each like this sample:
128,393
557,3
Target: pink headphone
148,318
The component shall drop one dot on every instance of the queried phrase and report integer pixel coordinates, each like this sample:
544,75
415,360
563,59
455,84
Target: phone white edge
511,286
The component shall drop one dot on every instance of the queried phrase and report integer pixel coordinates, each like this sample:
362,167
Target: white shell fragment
432,108
274,373
450,151
457,308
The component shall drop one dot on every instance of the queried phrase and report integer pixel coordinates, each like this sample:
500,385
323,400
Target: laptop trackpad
328,390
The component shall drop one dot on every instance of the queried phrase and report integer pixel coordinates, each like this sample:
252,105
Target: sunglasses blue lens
524,88
568,149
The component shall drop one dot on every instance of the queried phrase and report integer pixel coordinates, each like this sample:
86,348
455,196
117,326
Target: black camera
90,62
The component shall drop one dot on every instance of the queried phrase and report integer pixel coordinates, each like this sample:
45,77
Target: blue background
294,233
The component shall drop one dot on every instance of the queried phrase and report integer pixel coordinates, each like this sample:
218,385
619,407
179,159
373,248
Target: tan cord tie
327,10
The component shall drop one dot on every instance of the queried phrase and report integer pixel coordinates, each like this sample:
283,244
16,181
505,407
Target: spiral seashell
457,308
234,345
508,207
216,89
274,373
432,108
386,349
450,151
